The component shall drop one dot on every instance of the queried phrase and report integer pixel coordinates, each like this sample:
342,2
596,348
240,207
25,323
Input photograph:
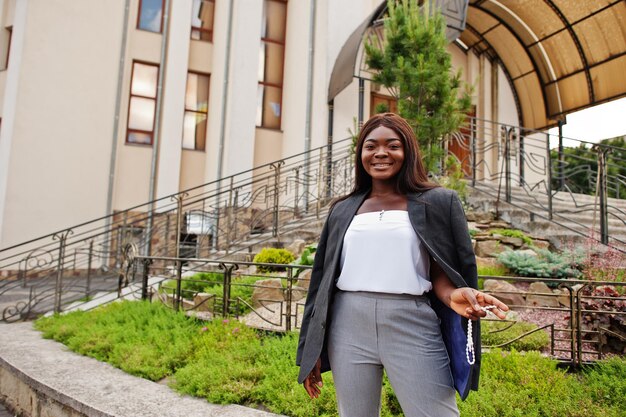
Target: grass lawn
226,362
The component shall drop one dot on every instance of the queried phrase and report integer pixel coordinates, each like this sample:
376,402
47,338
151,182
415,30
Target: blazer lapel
344,213
417,214
347,213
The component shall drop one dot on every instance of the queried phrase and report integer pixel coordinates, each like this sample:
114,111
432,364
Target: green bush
226,362
241,288
306,258
529,385
494,333
546,264
512,233
492,270
453,178
273,256
194,284
143,339
605,382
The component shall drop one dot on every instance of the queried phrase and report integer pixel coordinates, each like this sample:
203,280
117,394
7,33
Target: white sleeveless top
381,253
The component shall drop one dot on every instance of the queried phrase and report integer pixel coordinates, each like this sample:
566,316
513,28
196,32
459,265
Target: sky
596,123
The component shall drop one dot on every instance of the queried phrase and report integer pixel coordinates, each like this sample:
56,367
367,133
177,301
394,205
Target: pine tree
414,64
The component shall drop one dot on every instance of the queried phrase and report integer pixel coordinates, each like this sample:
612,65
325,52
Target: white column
242,90
173,108
10,102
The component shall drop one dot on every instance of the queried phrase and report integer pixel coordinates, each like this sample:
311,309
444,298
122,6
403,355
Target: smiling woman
383,154
393,275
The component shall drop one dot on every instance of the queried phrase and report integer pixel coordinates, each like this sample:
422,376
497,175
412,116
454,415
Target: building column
173,108
10,103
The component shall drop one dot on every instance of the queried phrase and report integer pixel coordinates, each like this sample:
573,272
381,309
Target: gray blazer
439,222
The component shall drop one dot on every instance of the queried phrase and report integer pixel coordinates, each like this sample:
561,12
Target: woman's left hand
467,302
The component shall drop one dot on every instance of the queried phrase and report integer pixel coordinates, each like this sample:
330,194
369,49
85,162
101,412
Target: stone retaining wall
26,397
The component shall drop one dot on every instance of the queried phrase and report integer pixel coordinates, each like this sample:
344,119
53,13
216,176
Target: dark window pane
150,14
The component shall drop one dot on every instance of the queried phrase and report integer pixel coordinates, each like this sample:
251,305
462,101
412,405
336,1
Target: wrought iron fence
264,205
532,170
266,296
584,320
256,207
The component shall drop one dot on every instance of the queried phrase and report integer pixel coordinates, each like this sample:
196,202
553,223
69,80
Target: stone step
571,222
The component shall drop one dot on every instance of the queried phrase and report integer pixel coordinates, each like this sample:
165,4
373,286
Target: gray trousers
399,333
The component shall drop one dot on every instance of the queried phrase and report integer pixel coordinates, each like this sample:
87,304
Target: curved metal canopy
559,55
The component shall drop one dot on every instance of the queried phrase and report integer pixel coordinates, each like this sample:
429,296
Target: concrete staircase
575,217
307,228
572,219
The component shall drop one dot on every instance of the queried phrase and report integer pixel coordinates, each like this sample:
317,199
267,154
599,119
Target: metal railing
262,206
252,208
588,318
532,171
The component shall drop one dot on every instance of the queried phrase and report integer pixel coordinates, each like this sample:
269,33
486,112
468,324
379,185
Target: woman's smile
382,154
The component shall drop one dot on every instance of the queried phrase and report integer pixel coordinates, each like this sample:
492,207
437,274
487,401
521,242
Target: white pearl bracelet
470,354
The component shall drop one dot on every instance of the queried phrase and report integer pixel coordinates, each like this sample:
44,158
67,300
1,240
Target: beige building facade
105,105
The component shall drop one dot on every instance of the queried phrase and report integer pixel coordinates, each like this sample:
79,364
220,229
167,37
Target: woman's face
383,154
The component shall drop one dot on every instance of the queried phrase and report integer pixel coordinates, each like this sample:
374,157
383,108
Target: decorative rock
563,296
500,225
505,292
514,241
479,216
541,300
527,252
304,279
488,262
267,290
296,247
482,236
541,244
202,301
297,293
482,226
489,248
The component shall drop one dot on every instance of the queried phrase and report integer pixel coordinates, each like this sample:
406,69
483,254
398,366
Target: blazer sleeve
463,242
316,278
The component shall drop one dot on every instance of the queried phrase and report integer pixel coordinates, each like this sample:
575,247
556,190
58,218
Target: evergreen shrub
226,362
545,265
273,256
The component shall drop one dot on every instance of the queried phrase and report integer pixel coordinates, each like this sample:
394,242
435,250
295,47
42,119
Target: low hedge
226,362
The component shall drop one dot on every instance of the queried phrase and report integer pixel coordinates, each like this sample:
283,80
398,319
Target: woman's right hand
313,382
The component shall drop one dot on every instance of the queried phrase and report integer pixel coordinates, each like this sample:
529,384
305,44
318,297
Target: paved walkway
96,387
